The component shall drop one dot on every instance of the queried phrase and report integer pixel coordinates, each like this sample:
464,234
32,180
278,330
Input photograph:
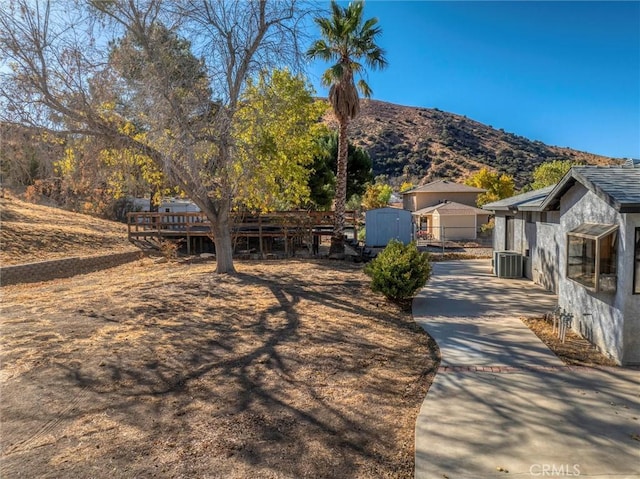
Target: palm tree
346,41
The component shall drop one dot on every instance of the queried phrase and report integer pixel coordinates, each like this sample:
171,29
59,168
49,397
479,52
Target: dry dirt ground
289,369
30,233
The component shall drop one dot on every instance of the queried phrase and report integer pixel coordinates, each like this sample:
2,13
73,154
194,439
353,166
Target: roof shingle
528,200
618,186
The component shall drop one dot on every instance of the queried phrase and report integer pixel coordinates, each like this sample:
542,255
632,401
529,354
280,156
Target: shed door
388,227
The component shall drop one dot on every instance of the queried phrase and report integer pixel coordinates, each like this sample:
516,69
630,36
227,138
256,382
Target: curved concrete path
502,401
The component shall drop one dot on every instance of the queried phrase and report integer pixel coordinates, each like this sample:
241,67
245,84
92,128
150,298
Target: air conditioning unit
507,264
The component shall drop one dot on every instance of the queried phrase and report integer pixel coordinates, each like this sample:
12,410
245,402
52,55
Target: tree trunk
222,237
218,212
337,240
224,247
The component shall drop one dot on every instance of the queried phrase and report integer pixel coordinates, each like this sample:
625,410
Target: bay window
592,256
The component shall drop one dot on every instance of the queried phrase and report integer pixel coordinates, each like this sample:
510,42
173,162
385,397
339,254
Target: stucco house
450,220
437,192
581,239
522,228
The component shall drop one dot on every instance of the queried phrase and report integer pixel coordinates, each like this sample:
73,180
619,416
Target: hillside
422,144
405,143
30,233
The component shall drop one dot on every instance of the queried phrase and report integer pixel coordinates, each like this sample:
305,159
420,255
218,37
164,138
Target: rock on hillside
423,144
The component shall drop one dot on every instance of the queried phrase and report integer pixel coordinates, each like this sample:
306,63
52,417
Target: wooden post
286,243
188,228
260,235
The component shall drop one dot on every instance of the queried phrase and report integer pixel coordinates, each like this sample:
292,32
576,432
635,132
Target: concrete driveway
502,401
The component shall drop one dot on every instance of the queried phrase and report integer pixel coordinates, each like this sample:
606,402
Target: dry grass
289,369
575,349
31,232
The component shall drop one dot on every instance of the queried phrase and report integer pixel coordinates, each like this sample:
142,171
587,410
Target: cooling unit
507,264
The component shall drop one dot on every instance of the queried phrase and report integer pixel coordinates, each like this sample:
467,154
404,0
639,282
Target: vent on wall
507,264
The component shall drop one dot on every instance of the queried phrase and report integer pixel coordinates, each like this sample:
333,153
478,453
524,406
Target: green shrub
399,271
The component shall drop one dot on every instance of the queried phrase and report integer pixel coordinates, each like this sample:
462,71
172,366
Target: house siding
544,249
631,333
417,201
409,202
603,318
455,227
538,242
499,231
610,320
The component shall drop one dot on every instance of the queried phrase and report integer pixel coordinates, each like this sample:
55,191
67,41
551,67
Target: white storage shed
385,224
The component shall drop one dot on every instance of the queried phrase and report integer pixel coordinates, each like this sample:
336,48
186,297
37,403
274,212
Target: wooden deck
295,228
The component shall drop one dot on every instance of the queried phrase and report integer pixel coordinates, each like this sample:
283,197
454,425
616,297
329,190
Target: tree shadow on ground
222,376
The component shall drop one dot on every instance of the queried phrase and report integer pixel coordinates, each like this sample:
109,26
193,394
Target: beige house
439,191
449,221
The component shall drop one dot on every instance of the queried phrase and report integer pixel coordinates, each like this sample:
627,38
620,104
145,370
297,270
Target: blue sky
564,73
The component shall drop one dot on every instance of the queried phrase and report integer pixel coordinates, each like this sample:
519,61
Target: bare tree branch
164,78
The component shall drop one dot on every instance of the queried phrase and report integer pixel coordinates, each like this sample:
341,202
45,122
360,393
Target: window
636,255
592,256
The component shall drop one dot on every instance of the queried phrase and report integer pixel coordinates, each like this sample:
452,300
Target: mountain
422,144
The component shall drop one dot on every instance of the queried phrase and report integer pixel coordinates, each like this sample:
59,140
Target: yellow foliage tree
275,131
376,196
406,186
498,185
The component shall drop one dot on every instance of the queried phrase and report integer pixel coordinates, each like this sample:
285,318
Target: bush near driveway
399,271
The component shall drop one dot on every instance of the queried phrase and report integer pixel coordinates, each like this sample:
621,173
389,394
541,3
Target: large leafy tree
349,43
377,195
550,172
276,129
322,180
498,185
162,78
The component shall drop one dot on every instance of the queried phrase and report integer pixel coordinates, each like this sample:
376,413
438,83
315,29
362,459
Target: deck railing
289,225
